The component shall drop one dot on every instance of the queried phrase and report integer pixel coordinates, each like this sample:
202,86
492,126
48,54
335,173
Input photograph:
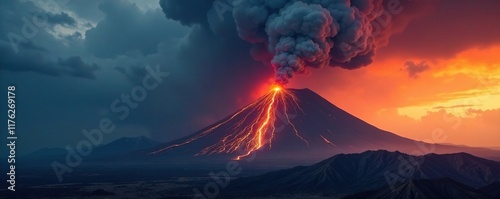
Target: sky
435,69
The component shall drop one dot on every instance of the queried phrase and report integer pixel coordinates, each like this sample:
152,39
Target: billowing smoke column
309,33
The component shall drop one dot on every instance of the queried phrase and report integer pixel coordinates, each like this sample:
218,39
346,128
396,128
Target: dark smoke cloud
309,33
414,69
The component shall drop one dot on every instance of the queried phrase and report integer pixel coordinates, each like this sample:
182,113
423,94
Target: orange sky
459,96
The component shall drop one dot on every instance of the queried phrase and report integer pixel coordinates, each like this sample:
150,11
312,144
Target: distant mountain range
383,171
121,148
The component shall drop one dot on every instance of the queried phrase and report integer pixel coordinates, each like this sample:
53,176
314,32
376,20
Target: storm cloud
61,18
37,59
24,28
126,29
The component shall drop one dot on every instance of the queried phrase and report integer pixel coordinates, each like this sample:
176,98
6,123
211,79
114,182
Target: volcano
303,127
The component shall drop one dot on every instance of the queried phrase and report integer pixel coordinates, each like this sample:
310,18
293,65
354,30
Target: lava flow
252,128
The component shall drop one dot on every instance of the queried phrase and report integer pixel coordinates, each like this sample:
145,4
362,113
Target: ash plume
302,34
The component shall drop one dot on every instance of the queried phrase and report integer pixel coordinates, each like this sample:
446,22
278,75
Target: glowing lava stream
242,136
269,114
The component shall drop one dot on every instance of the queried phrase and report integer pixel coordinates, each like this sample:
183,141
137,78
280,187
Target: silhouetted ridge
354,173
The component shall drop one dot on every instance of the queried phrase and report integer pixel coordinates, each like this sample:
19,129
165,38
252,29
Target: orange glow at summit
277,87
